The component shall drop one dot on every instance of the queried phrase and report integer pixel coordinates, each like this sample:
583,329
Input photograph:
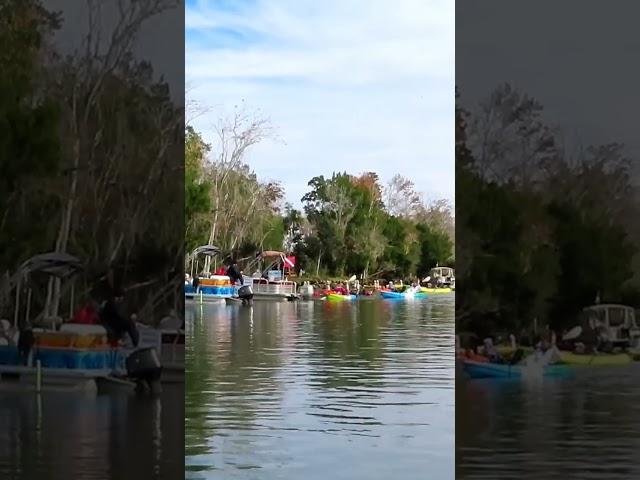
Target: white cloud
359,85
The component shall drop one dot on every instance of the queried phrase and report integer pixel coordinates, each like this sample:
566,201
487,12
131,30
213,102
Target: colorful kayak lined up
501,370
576,359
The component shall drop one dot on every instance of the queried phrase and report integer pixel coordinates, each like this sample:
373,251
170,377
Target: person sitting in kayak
341,290
490,351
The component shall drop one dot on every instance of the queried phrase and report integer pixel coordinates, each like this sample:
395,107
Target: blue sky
358,85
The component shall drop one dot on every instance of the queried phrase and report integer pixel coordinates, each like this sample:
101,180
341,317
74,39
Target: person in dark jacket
116,322
233,272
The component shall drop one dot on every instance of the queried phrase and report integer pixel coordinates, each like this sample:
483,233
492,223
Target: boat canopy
55,264
442,271
289,262
271,253
206,250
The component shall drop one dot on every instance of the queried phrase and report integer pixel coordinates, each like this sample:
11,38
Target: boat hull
275,297
603,360
209,293
24,378
206,298
172,356
477,370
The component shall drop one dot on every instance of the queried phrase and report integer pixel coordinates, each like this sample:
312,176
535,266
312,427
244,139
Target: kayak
436,290
402,295
502,370
600,360
508,351
337,297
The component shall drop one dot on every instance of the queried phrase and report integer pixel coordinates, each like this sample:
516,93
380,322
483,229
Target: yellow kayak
436,290
599,360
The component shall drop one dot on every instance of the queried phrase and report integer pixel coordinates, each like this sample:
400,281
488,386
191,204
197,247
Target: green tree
197,190
30,147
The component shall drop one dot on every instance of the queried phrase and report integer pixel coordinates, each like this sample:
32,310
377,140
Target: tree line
349,224
545,227
87,156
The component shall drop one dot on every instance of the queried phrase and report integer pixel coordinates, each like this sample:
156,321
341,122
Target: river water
317,390
580,428
62,436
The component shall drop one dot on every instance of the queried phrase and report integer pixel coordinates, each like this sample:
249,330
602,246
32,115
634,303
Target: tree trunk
212,236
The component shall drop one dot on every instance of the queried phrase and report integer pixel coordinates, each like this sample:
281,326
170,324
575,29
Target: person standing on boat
116,322
234,273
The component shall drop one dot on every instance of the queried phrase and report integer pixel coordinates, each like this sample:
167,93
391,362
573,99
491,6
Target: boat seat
82,329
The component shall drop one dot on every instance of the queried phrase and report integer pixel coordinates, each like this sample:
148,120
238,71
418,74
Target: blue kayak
402,295
502,370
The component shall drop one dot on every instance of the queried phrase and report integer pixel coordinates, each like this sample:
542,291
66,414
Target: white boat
441,277
272,283
172,345
617,321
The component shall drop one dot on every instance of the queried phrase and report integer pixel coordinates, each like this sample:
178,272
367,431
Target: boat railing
281,288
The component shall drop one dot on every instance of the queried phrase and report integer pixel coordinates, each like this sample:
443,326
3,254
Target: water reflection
580,428
68,435
290,390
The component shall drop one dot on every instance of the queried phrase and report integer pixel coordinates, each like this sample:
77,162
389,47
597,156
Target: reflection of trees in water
348,349
52,436
19,442
76,436
150,427
233,356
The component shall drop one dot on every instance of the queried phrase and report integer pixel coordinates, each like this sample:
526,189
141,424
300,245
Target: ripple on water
292,390
579,428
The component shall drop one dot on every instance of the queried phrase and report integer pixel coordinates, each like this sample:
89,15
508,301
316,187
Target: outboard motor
245,293
145,368
306,291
